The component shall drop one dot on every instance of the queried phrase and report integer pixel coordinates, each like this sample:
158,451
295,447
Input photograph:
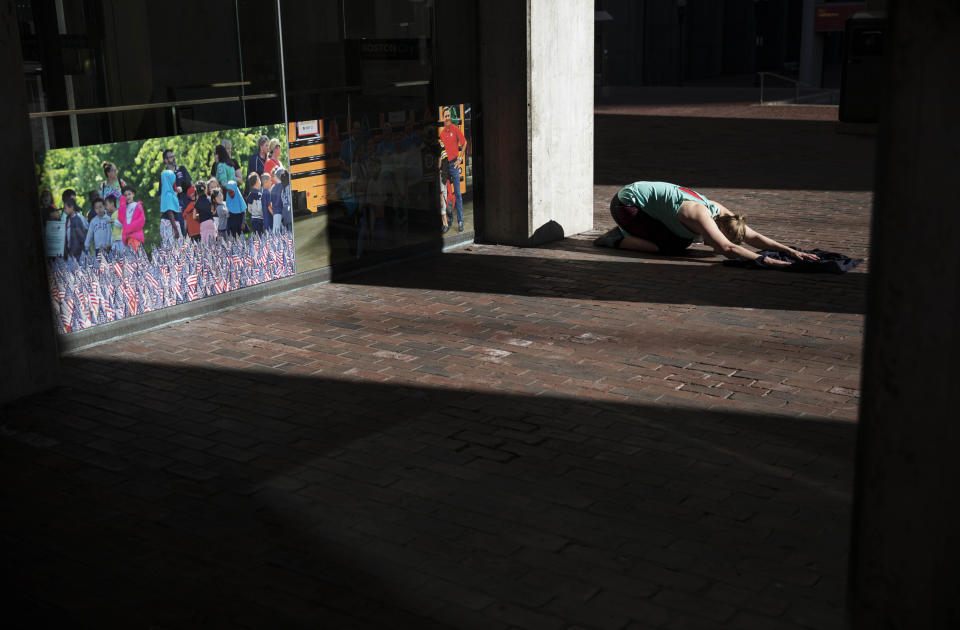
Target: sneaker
460,227
609,239
445,229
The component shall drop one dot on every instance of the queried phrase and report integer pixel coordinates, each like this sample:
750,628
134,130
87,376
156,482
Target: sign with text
390,48
308,128
833,16
55,238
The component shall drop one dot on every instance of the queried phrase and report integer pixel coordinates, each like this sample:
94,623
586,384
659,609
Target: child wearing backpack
255,203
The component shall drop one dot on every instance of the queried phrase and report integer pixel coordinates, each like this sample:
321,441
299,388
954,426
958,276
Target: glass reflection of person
410,138
455,145
408,167
366,168
372,209
387,145
386,153
348,151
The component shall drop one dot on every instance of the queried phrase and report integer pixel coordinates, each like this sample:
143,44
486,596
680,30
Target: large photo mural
133,227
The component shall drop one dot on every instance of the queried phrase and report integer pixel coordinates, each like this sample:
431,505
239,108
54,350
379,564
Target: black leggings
235,223
635,222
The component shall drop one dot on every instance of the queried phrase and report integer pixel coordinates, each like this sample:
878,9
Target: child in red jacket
131,218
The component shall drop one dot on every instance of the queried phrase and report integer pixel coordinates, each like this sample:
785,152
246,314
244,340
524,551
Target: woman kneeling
664,218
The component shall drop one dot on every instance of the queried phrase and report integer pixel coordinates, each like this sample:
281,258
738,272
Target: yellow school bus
313,169
315,157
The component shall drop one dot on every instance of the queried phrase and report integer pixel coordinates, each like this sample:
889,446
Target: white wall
560,93
536,90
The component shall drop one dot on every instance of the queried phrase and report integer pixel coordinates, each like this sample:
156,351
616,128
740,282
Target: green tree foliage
140,163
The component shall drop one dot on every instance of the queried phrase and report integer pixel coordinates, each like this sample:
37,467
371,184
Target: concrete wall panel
503,91
28,345
906,514
560,80
536,83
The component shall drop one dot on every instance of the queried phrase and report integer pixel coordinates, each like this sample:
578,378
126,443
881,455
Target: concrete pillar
905,540
28,343
811,47
536,87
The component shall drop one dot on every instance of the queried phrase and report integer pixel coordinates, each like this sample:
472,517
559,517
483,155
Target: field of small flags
110,287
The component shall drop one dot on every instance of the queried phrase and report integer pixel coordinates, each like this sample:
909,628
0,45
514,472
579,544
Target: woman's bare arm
760,241
712,236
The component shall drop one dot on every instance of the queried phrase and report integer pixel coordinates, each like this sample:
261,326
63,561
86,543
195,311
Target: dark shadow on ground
628,277
167,497
730,153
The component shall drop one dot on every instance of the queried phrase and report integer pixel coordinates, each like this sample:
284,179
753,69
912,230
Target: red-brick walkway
552,437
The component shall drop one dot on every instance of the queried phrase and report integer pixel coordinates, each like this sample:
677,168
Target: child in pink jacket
132,218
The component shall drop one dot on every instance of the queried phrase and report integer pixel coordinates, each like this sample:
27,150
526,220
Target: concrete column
905,540
28,345
536,88
811,47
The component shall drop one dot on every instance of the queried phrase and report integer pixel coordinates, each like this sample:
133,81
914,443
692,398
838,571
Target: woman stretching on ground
664,218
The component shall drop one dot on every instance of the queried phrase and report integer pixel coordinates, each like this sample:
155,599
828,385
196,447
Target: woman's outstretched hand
803,255
774,262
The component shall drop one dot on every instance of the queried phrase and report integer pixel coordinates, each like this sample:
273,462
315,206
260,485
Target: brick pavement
555,437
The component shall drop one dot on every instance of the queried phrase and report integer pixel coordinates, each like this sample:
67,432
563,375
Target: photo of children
149,237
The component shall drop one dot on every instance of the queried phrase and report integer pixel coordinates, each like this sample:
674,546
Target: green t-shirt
662,201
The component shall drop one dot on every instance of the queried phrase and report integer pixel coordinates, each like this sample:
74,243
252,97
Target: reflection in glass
377,182
100,71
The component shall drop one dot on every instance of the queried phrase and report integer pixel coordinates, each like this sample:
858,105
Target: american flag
94,290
